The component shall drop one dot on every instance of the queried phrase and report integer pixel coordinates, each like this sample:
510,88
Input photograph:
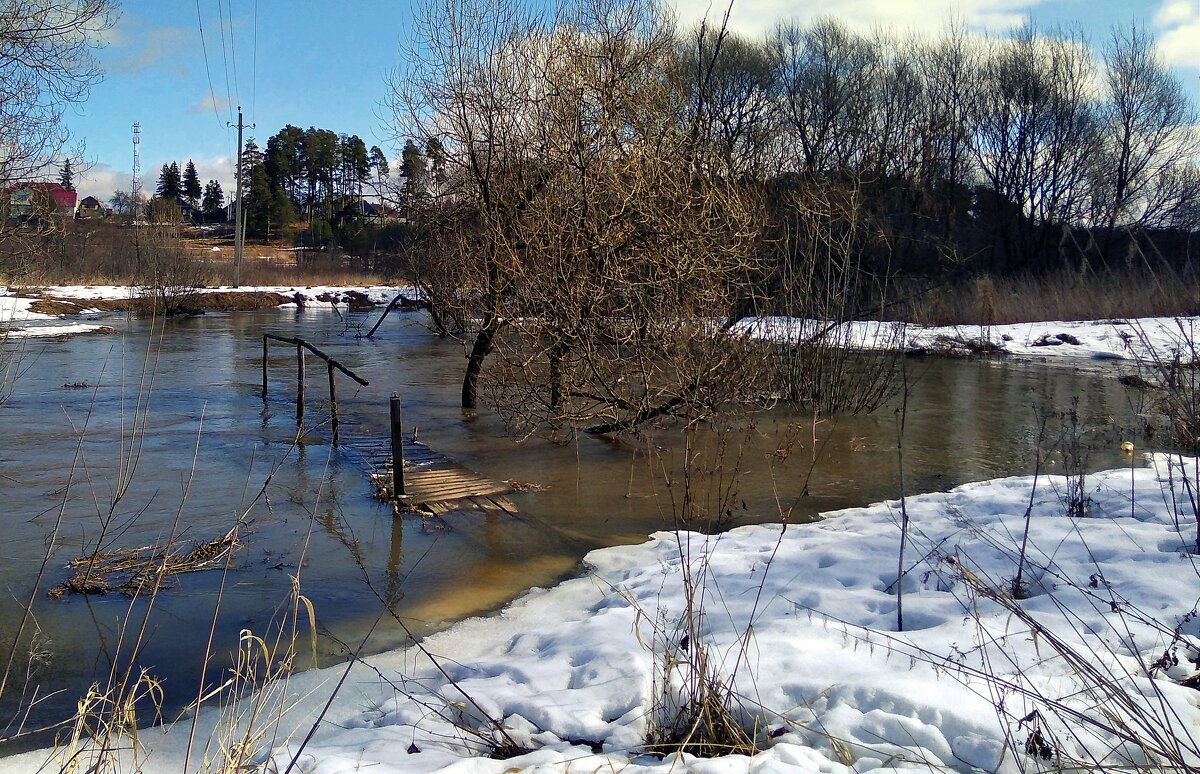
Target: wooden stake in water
299,383
397,424
333,410
264,389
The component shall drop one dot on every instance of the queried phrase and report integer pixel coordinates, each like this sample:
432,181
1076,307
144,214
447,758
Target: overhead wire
225,56
233,51
212,95
254,70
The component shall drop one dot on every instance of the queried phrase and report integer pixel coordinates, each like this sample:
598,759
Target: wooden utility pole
239,215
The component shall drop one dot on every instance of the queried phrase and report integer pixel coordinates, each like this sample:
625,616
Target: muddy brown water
206,423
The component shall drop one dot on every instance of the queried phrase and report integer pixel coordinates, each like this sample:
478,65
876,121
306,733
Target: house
189,212
27,200
90,208
381,213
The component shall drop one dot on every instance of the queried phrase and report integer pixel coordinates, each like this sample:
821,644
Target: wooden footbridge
423,480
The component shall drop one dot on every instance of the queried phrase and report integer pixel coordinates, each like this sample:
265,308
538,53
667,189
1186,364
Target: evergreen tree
213,202
437,163
170,186
379,162
191,184
413,169
66,178
268,207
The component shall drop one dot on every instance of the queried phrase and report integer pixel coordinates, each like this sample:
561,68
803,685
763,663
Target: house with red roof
27,200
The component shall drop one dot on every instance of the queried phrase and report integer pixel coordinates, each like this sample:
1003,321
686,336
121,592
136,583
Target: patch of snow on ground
826,678
1143,338
18,322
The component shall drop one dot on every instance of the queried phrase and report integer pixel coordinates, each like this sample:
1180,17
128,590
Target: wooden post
264,390
333,411
299,383
397,447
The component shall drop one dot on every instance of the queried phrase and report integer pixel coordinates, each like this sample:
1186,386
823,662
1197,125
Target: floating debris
525,486
129,570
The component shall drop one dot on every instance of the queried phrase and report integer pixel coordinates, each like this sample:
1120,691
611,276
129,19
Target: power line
224,55
204,47
233,50
254,69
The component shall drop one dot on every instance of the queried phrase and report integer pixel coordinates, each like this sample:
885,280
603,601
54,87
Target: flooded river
210,442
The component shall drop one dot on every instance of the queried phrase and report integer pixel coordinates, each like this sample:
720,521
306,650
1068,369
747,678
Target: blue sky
325,64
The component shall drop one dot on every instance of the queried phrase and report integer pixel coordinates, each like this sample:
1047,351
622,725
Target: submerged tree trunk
484,342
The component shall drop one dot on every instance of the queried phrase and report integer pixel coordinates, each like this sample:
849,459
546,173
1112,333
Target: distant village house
90,208
28,200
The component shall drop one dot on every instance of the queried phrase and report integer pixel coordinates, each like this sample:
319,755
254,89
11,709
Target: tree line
313,177
606,178
175,187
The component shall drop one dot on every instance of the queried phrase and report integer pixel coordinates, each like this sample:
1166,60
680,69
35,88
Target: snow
825,676
379,294
1138,339
18,321
1151,338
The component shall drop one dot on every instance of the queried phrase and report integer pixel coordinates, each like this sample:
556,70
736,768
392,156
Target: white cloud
219,168
1178,30
135,47
758,16
209,103
101,180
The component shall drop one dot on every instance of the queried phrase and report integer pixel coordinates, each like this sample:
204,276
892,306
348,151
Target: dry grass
1064,295
107,253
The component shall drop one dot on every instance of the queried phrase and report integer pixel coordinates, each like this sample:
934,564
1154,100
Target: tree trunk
484,342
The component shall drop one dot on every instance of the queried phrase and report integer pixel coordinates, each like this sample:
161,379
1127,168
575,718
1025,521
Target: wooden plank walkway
433,482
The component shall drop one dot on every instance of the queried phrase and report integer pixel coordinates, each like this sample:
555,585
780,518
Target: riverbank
1147,338
65,310
1094,662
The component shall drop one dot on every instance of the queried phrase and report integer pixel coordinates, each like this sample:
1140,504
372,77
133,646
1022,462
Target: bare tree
46,64
828,81
1150,137
735,81
1036,134
593,240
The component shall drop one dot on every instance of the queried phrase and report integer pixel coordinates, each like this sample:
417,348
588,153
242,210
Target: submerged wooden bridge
408,473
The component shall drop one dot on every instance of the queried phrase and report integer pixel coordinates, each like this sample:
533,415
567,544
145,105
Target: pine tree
191,184
66,178
379,162
170,187
413,169
213,202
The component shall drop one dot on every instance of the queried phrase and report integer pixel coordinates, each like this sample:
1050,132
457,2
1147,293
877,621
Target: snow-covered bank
18,321
309,295
825,677
1138,339
21,321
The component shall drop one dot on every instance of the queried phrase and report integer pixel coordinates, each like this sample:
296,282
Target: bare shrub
1169,373
170,275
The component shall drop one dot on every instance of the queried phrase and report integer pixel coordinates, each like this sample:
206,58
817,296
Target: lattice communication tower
137,163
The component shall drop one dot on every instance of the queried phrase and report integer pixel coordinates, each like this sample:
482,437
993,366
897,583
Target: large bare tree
594,237
1146,175
46,64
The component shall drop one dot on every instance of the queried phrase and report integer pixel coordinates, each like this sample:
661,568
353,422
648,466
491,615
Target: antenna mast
136,191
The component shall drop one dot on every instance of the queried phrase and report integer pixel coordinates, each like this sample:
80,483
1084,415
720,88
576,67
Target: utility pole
239,219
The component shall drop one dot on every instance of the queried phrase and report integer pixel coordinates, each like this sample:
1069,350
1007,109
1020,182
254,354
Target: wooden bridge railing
330,366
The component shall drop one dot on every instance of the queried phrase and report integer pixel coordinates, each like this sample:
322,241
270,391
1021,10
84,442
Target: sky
326,64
